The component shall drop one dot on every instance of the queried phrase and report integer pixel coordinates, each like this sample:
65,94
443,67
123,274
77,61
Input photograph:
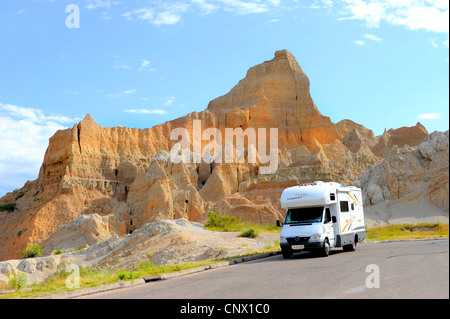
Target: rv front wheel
326,250
286,253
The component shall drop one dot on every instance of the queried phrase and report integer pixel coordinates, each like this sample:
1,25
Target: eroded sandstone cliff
127,174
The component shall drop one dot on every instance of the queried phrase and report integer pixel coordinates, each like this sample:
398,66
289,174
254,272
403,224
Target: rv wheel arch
352,246
326,249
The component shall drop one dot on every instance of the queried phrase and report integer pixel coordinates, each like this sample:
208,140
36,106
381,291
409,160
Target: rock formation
129,175
163,242
411,183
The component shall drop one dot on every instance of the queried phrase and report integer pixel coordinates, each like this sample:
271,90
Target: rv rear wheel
352,246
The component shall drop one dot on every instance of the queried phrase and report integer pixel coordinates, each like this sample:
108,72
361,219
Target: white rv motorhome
320,216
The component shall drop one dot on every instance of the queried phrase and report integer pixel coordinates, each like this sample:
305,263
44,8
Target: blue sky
139,63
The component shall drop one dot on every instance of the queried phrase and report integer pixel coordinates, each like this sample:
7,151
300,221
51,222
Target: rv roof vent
318,183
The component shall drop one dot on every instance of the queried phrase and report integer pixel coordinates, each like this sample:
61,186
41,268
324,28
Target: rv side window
353,206
344,206
332,196
327,216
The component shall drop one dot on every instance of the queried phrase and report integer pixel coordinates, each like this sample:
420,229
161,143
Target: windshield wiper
299,223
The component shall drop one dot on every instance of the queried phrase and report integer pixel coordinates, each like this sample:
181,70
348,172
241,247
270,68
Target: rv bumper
300,247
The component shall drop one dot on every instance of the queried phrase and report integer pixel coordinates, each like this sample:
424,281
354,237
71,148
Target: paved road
409,269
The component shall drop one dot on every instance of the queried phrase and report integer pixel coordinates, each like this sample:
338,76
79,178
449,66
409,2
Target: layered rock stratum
410,185
127,177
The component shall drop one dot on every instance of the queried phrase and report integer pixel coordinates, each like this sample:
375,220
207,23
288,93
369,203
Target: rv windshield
304,215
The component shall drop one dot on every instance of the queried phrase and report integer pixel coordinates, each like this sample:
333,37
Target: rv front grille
298,240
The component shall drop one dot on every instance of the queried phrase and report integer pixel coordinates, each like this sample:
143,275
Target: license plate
297,247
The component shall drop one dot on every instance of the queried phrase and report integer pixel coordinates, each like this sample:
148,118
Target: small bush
20,195
122,275
8,207
250,233
80,248
31,251
20,232
214,220
18,280
58,252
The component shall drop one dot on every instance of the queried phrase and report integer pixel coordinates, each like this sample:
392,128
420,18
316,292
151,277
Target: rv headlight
283,240
315,237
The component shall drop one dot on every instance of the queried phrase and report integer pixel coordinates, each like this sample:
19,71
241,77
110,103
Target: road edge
146,280
181,273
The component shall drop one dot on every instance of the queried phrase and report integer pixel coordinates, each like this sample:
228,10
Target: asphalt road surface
407,269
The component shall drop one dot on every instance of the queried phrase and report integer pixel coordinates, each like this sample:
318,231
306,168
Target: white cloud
95,4
429,15
373,37
359,42
164,13
205,7
433,43
145,65
121,66
121,94
167,18
23,141
170,101
144,14
244,7
146,111
429,116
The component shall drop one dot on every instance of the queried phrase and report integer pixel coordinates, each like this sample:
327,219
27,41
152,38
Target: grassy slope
97,277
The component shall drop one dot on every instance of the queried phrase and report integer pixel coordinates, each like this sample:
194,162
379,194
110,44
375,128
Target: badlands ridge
100,184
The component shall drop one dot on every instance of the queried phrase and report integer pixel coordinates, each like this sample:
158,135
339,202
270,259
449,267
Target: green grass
93,278
408,231
104,276
224,223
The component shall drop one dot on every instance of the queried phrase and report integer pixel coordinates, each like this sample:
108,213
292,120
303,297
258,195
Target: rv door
345,219
329,227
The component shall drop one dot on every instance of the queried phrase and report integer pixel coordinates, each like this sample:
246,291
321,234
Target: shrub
80,248
214,220
8,207
20,232
250,233
18,280
20,195
122,275
31,251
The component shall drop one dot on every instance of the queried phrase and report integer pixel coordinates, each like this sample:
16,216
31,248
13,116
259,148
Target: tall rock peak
284,54
279,82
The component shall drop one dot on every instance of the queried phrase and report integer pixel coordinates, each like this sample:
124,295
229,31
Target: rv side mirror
279,224
334,219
